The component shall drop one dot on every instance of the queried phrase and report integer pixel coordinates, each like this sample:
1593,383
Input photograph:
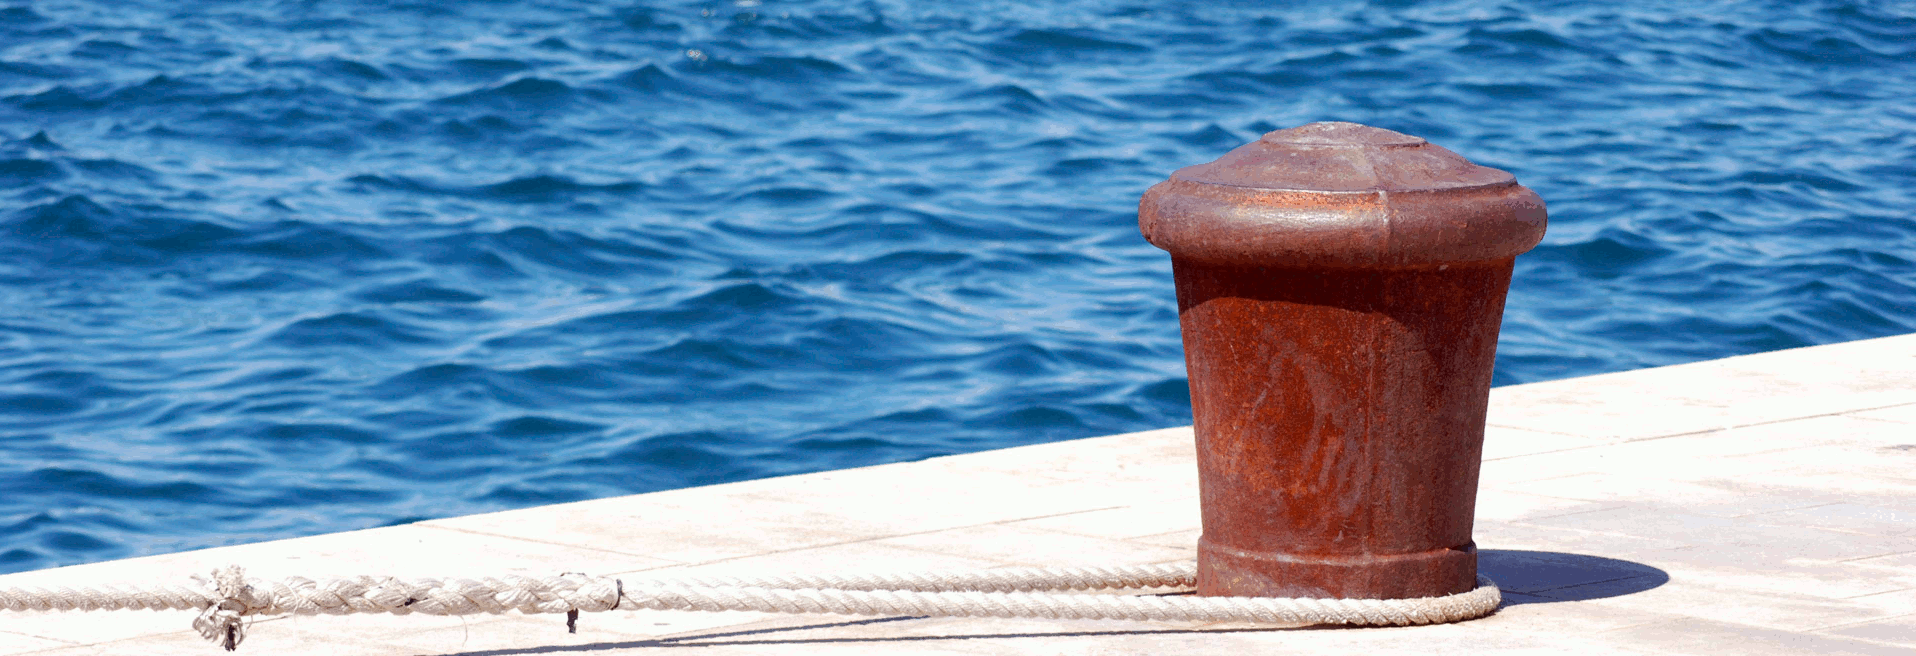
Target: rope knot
221,623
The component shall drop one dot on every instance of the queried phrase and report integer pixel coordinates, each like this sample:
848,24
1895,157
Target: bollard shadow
1541,577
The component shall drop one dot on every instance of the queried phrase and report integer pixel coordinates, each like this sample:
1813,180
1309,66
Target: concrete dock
1763,504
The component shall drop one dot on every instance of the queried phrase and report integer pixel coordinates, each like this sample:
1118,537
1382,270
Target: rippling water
281,268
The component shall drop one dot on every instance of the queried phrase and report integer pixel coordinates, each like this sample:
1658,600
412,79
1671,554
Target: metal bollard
1339,289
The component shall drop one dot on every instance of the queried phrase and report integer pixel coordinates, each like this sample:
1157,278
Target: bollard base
1227,572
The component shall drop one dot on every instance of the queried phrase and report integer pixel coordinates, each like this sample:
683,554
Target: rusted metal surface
1340,289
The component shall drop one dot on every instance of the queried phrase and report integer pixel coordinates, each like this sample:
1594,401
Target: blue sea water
270,269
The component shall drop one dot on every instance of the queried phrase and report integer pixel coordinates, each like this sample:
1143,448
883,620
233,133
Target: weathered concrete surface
1763,504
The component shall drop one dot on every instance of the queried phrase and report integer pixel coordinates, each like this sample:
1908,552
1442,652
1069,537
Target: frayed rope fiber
228,597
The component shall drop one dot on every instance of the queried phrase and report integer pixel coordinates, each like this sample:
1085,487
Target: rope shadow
718,639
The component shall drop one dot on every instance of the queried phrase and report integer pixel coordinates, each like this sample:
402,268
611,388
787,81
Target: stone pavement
1763,504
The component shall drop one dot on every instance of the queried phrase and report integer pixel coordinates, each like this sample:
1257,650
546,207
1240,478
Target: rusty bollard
1339,289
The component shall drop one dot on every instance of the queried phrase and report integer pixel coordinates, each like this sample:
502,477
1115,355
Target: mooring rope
226,599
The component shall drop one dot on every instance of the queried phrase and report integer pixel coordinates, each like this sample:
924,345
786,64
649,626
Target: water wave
273,270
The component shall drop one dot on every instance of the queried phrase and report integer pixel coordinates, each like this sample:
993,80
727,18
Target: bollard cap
1341,195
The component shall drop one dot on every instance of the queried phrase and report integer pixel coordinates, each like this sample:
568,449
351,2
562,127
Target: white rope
228,597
